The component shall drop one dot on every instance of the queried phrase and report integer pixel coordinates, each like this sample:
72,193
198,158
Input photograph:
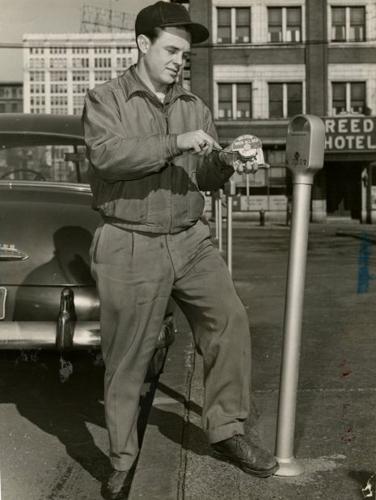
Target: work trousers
136,274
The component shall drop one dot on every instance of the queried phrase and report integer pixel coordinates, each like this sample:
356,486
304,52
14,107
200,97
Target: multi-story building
60,68
11,97
268,60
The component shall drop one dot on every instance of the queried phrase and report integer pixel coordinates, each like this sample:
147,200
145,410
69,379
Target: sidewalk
335,437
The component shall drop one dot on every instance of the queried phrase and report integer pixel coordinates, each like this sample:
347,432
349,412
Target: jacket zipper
165,114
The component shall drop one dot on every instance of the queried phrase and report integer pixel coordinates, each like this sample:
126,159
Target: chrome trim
42,334
8,252
80,187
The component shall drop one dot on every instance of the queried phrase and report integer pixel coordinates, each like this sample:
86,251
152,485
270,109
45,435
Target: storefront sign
278,202
350,133
254,203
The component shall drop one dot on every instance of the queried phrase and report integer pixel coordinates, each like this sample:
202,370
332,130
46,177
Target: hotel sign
350,133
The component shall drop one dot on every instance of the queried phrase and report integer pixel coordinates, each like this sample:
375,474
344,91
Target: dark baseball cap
164,14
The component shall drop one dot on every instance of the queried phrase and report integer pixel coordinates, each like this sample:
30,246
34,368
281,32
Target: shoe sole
244,468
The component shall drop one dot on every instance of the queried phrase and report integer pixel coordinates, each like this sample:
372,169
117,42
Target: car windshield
44,163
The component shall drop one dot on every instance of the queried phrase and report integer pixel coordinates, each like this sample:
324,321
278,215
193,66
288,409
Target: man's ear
143,43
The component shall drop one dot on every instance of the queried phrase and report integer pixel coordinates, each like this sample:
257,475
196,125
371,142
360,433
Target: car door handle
10,252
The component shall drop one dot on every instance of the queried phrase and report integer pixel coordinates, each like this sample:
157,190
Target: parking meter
305,144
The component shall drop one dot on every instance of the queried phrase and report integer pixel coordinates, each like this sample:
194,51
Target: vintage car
48,298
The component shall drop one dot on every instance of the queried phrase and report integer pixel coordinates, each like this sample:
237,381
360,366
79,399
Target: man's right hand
198,142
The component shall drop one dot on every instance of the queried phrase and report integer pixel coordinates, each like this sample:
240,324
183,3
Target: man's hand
198,142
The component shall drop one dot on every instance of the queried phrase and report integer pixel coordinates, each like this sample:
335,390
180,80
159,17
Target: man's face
165,57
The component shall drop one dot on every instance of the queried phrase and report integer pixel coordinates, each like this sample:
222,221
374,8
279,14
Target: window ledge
255,121
364,43
256,45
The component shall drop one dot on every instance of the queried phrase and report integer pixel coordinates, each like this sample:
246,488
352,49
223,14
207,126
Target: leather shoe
248,456
116,485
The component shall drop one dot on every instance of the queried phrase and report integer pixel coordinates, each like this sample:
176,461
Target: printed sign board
350,133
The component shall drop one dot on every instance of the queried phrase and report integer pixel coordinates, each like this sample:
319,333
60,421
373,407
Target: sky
45,16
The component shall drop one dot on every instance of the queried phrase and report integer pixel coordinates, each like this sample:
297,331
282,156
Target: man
152,148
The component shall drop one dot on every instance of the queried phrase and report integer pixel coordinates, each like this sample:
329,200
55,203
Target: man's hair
155,33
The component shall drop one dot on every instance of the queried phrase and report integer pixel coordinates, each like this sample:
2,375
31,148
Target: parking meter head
305,143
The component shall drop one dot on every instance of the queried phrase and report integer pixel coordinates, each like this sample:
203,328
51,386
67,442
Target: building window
348,97
243,25
224,25
80,88
102,62
36,50
234,101
37,101
233,25
37,88
58,88
36,63
78,103
58,76
80,76
80,62
243,101
58,62
275,100
225,101
284,24
59,100
80,50
123,62
285,99
102,50
348,24
102,75
58,50
36,76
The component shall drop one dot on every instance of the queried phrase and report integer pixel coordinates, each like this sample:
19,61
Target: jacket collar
137,86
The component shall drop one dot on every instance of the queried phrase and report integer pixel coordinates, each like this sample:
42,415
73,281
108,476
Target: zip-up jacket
139,178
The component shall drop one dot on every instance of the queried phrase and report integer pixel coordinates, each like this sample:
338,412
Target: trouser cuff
225,432
121,464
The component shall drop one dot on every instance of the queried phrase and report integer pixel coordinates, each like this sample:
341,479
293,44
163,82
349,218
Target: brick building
268,60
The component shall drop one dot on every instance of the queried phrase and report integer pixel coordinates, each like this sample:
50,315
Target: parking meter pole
304,156
215,196
247,189
230,190
288,466
220,222
229,233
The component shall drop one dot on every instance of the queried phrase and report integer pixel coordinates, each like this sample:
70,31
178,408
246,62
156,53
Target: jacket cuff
226,169
172,146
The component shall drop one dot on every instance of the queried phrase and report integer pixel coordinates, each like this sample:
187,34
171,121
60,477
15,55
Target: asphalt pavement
54,444
335,420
